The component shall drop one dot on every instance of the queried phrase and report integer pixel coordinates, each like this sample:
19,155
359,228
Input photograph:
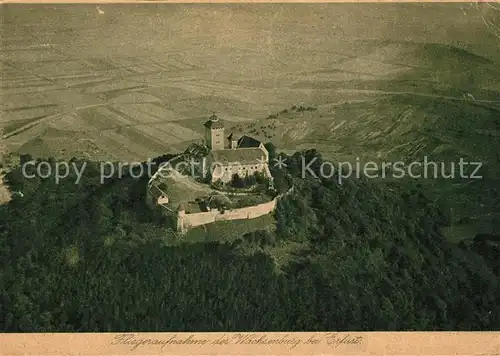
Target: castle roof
240,155
214,123
247,142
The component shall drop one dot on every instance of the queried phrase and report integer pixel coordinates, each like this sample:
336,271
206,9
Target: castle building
244,155
214,133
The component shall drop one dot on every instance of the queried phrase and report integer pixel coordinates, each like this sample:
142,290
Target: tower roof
214,123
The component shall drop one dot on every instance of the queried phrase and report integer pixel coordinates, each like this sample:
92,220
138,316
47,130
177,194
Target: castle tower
214,133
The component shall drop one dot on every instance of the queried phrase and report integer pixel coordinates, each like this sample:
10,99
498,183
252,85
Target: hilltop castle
241,155
224,157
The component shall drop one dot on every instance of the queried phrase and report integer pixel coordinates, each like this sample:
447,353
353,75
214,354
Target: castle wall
266,152
196,219
187,221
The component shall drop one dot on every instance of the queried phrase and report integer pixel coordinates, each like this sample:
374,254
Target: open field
136,95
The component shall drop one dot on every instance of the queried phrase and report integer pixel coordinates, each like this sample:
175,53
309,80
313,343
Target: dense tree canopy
93,257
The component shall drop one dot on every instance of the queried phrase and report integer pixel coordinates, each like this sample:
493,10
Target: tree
271,148
218,184
250,180
364,257
237,181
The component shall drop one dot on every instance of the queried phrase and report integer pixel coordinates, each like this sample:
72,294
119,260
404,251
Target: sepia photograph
249,168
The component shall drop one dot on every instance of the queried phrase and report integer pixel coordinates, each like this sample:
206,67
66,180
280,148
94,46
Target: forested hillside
92,257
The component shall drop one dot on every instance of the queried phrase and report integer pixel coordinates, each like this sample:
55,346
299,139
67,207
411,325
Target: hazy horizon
267,28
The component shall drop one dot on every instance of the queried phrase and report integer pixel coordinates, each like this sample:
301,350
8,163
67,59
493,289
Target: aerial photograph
249,167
